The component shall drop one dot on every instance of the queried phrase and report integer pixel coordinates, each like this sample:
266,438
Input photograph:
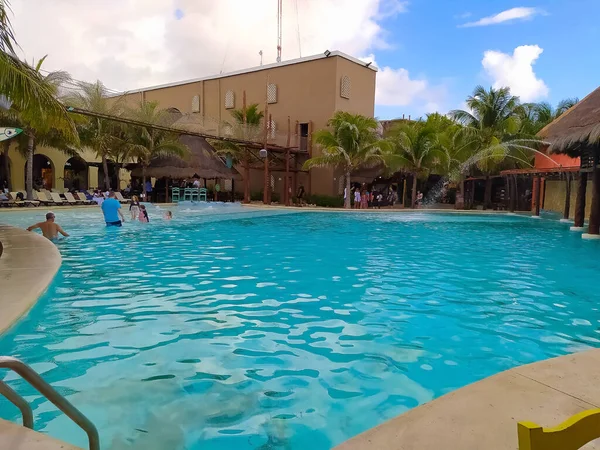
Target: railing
32,377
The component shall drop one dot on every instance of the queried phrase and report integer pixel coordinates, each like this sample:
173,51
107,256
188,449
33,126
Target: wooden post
580,200
265,141
404,193
538,194
286,185
567,208
512,183
167,190
246,154
594,225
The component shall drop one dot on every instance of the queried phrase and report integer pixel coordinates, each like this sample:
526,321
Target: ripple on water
208,332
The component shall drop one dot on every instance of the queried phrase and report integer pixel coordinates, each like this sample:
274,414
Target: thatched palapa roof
202,163
577,128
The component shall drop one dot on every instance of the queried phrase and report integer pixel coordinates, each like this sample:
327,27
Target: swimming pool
277,330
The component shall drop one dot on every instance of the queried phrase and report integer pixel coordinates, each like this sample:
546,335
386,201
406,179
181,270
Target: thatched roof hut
576,129
202,163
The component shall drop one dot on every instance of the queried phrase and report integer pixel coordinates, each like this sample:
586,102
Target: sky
430,53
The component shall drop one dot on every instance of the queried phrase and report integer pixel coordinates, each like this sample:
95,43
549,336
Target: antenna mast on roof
279,27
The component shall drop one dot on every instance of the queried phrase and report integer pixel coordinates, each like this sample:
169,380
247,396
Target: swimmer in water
49,229
168,215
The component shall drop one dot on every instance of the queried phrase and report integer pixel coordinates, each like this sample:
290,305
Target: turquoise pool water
252,330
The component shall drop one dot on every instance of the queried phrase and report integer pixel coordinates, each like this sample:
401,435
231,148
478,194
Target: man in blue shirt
149,190
111,208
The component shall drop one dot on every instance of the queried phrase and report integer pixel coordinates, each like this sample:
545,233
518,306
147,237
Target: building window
272,129
345,86
272,93
229,100
304,136
196,104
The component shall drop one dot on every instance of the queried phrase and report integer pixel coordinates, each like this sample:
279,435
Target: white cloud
516,71
510,15
395,87
136,43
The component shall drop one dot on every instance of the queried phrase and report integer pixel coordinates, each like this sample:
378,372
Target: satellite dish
263,153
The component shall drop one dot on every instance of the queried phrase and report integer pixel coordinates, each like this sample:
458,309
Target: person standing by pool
111,208
149,191
49,229
134,207
356,198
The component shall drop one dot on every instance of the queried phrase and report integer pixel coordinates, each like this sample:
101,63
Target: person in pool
143,218
168,215
111,208
49,229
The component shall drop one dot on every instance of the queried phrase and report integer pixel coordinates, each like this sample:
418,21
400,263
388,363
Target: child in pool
143,215
168,215
134,207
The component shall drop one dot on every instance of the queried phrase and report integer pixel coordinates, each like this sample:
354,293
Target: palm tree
147,143
23,87
247,126
415,149
101,135
8,119
535,116
493,124
42,125
351,143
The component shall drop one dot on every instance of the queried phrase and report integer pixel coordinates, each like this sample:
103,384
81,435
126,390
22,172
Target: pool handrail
36,381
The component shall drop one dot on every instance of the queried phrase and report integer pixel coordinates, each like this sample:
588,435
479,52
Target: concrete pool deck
485,414
28,263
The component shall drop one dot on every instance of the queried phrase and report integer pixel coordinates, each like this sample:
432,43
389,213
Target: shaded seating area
202,163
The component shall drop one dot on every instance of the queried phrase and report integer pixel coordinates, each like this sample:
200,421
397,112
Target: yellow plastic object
572,434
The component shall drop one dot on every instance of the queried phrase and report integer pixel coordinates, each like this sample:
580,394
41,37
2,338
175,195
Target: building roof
576,128
258,69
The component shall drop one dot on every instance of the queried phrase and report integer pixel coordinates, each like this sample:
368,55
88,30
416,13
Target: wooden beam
580,201
567,208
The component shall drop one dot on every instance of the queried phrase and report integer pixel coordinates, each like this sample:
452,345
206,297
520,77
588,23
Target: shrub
326,201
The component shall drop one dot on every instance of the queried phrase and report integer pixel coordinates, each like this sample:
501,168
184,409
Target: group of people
111,210
365,199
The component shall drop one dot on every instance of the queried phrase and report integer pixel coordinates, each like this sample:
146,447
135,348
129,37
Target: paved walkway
484,415
16,437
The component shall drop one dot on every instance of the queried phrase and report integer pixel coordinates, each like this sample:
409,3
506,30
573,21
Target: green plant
326,201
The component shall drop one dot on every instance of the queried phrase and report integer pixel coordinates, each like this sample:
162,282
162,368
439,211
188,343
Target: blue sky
428,41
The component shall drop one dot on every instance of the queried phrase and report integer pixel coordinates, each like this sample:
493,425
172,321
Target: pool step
36,381
17,437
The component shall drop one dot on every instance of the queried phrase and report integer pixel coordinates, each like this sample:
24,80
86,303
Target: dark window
304,136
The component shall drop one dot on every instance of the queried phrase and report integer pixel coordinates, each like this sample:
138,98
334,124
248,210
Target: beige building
307,90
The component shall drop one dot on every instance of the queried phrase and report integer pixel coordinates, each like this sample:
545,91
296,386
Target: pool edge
28,264
486,413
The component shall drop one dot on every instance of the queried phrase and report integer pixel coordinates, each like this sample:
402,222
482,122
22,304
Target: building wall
554,197
57,160
307,92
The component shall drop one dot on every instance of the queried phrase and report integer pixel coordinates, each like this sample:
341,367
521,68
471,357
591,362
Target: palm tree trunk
7,165
29,181
413,194
487,197
144,181
347,199
105,169
246,176
118,171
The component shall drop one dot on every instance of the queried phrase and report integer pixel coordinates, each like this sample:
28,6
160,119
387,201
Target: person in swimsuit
356,199
168,215
143,215
134,207
49,229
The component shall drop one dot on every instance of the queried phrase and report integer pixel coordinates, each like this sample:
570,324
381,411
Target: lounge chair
120,197
56,198
175,195
202,194
82,198
72,200
43,198
16,202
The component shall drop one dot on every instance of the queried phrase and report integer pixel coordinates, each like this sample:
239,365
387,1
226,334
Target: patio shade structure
576,133
202,162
